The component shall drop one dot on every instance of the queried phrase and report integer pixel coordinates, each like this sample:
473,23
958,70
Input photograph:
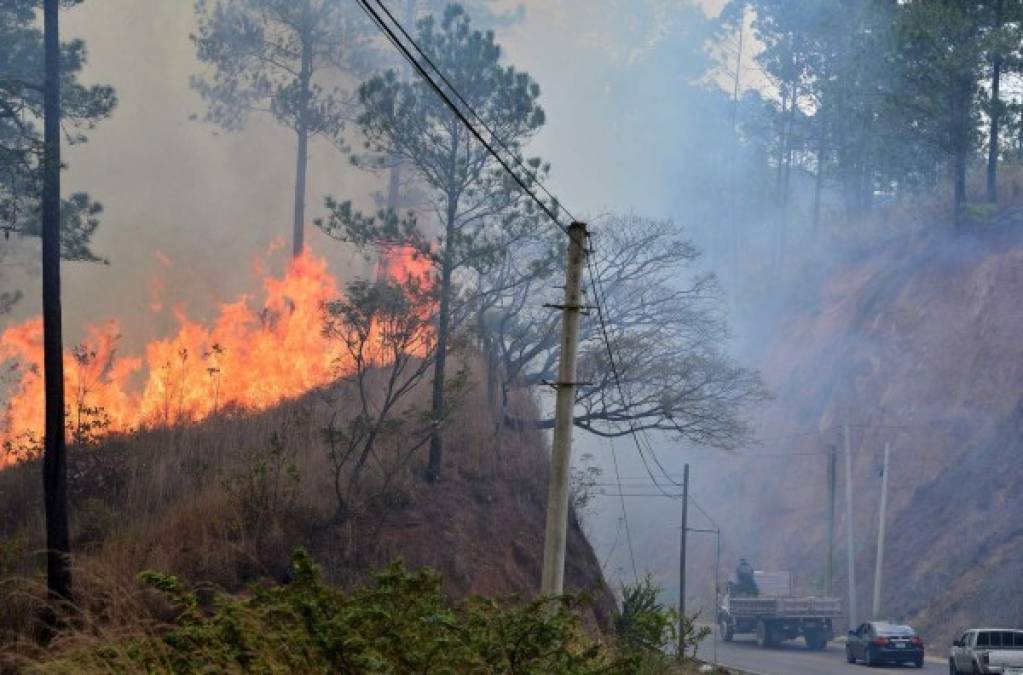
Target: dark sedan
879,642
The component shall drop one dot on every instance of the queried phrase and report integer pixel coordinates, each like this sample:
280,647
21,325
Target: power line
376,18
497,139
705,514
625,515
637,494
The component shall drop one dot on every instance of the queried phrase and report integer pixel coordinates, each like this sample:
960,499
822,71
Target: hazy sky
212,201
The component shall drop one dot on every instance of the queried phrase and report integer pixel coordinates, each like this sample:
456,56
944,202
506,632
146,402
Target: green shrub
648,631
401,623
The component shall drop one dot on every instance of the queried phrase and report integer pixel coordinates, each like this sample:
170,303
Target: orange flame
399,262
244,359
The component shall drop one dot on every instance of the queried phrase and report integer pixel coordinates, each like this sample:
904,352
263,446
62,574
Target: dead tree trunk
58,569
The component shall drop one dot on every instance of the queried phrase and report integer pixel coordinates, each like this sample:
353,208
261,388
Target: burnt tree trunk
995,113
960,147
443,329
302,155
58,569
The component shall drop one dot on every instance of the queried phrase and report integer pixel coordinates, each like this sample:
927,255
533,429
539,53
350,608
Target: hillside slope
917,345
226,502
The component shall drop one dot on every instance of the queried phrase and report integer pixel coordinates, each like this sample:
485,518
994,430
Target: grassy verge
401,622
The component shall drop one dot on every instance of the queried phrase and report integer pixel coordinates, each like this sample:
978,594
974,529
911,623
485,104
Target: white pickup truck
987,650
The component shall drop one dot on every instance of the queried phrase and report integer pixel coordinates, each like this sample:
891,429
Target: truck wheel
849,657
815,641
764,637
871,660
726,631
952,670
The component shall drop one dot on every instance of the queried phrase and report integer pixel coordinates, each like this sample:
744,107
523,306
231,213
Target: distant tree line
881,97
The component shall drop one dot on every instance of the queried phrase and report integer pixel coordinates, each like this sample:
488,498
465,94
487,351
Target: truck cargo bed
785,607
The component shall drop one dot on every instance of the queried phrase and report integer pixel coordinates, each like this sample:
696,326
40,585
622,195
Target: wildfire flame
246,358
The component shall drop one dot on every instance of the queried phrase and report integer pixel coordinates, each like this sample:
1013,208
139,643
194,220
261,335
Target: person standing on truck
745,583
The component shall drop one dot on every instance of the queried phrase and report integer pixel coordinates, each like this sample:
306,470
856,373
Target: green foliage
692,632
278,57
888,95
401,623
981,214
648,631
644,624
21,116
483,209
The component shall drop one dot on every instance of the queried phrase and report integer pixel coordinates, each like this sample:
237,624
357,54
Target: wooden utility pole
682,565
850,554
829,566
881,533
553,576
58,569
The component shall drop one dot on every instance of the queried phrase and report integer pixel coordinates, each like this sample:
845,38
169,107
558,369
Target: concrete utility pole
553,579
851,556
717,587
881,532
682,565
829,567
717,580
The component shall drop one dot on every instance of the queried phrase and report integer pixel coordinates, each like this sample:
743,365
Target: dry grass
923,213
225,502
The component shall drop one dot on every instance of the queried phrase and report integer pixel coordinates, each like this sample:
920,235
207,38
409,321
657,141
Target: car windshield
894,630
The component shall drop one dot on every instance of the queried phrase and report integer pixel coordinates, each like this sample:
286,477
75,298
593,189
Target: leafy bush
402,623
648,631
644,623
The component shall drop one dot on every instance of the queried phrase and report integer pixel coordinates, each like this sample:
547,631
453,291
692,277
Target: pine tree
280,57
479,209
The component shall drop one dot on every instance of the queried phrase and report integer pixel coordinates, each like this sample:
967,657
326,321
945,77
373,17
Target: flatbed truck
775,615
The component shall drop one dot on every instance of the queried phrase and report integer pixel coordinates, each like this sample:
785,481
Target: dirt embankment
917,345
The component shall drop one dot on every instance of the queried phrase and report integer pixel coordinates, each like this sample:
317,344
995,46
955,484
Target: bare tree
665,331
388,339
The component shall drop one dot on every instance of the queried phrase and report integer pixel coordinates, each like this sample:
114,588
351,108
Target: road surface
792,658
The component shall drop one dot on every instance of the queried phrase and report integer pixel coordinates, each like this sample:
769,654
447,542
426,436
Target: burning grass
250,357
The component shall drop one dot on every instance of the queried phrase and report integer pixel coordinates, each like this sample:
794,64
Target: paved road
792,658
